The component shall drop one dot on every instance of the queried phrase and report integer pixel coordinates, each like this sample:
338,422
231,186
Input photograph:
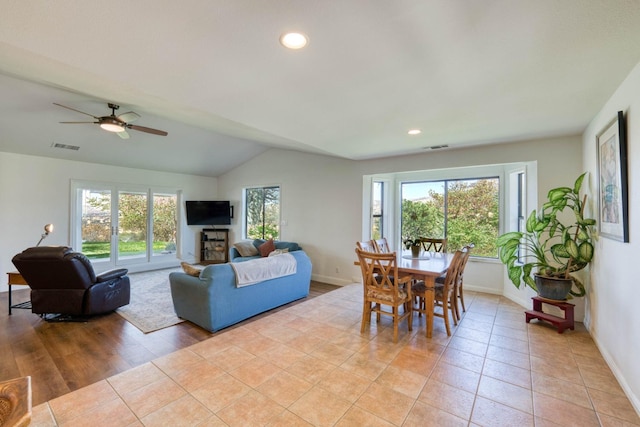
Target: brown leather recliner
63,282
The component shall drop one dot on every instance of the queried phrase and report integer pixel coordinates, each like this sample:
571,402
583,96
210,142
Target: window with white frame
262,212
472,204
378,210
461,210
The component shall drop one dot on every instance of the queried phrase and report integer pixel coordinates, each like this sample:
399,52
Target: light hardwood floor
63,357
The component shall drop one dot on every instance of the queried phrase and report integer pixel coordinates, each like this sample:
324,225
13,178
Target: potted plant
414,244
552,249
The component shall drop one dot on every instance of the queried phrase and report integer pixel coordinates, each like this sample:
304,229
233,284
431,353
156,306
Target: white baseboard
521,302
482,289
633,398
331,280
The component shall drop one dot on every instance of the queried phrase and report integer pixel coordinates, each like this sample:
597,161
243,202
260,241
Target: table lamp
47,229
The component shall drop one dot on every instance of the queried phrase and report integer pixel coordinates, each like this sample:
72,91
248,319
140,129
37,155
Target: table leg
15,278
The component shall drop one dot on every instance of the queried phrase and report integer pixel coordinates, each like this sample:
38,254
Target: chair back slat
366,245
382,246
430,244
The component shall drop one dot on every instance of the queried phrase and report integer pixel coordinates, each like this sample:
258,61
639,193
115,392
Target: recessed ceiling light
294,40
414,132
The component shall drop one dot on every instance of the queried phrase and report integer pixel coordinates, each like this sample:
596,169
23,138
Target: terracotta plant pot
553,288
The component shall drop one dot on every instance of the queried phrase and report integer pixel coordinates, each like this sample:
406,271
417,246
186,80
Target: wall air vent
65,146
436,147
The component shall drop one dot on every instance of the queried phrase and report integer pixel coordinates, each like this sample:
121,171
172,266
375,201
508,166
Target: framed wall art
613,205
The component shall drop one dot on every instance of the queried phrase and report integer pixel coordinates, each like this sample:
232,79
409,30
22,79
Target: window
165,224
521,208
377,210
462,210
262,212
117,226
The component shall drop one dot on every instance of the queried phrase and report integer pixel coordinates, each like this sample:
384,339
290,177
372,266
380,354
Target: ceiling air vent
436,147
65,146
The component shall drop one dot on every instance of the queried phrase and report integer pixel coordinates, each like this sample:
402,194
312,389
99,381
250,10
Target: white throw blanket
261,269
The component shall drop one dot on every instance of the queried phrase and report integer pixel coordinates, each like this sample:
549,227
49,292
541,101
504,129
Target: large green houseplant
551,249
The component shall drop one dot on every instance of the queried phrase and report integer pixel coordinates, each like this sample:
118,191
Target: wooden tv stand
214,246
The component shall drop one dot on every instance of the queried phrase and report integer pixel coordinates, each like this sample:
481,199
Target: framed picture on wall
613,205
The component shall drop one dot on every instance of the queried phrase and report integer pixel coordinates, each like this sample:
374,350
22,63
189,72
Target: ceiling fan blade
73,109
78,122
123,134
129,117
148,130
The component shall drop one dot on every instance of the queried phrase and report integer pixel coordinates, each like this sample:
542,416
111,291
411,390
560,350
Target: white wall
322,197
36,191
612,315
320,202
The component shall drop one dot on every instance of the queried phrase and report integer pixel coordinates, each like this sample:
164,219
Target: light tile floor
309,365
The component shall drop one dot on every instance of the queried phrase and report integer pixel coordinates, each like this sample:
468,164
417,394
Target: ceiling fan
118,124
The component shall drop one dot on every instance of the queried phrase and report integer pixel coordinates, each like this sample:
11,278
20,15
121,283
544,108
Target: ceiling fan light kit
117,124
111,125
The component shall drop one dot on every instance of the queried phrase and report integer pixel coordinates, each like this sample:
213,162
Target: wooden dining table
426,267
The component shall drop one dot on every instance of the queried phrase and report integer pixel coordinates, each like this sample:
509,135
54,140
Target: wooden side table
15,402
15,278
560,322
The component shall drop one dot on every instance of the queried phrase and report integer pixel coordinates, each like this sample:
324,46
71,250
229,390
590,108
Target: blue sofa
213,301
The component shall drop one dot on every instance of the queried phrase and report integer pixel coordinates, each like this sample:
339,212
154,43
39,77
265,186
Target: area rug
151,306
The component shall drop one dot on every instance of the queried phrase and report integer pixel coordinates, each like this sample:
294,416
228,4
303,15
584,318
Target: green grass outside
96,250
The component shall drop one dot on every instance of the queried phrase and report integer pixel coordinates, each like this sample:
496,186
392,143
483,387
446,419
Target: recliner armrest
111,274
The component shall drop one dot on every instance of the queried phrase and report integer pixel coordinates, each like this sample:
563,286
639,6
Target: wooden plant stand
559,322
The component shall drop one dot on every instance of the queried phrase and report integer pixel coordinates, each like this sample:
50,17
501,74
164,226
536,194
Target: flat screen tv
208,212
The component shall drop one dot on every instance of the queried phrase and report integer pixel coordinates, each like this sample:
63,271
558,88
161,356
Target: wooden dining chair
458,289
444,293
459,294
383,287
430,244
382,246
367,245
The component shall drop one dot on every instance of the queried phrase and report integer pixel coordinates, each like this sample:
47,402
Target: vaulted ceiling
213,75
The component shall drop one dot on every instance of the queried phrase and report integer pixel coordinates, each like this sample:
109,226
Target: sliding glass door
115,226
95,226
132,225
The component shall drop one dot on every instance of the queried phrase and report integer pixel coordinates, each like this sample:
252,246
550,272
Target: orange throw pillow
266,248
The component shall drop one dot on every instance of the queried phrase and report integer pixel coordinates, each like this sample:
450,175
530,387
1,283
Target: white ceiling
213,75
